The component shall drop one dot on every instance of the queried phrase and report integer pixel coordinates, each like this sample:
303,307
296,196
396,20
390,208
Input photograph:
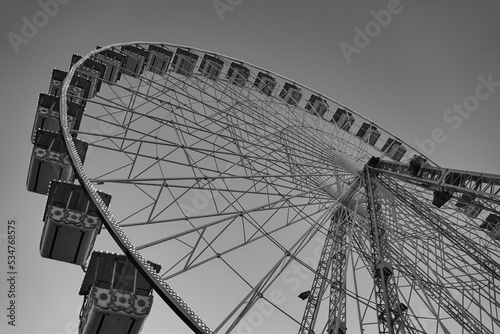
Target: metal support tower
333,256
337,311
391,313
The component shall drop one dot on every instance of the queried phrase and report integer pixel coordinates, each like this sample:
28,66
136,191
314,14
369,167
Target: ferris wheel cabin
291,94
416,162
117,299
71,223
394,149
91,70
368,133
343,119
265,83
492,226
238,74
158,59
317,105
440,197
50,161
114,62
78,90
184,62
469,205
135,60
47,115
211,66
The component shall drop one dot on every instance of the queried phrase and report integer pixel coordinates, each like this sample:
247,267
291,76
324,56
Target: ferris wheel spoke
317,200
193,125
258,233
108,110
246,242
256,179
283,199
260,144
203,102
253,125
205,152
127,103
159,182
253,143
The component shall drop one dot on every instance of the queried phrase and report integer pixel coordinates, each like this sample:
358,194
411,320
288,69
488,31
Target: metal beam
333,257
482,184
390,312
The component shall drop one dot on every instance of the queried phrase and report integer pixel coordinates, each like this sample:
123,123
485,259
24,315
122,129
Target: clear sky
407,73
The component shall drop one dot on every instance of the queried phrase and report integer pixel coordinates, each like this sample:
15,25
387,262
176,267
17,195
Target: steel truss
391,312
333,260
486,186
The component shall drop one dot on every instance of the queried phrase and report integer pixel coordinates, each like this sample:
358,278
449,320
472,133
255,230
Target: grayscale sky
409,74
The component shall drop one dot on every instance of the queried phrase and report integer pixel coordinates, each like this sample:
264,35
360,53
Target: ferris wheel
251,203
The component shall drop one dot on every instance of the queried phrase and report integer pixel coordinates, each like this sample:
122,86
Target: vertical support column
332,256
337,311
390,311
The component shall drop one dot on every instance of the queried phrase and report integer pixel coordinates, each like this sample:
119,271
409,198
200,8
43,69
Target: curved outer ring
163,289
